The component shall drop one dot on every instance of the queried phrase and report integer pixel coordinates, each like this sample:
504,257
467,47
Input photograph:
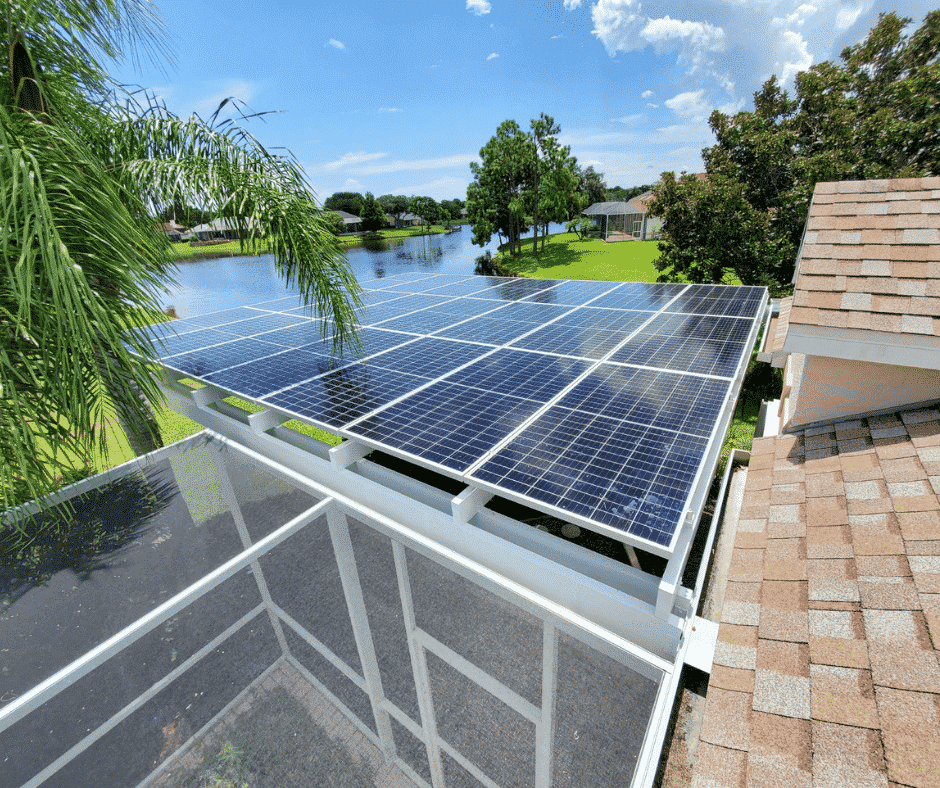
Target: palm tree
84,168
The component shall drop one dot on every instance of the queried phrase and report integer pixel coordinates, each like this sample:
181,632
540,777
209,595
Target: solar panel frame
356,399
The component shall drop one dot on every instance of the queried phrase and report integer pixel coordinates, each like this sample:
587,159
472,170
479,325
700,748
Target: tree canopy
875,114
84,170
373,217
351,202
425,207
523,179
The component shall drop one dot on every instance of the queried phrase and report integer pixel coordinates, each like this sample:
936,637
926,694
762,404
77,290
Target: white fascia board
881,347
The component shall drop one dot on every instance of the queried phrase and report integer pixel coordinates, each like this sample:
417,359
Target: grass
567,257
183,251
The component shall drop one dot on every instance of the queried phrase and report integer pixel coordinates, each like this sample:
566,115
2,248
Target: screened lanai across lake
414,575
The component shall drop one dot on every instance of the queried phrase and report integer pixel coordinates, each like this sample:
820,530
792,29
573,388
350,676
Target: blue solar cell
216,319
685,403
576,292
649,297
201,363
267,375
264,322
346,394
446,423
302,332
720,300
517,289
423,285
529,312
173,344
633,478
427,321
531,375
488,329
429,357
474,284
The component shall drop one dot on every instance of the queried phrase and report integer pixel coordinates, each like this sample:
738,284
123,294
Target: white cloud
647,94
389,109
351,185
797,54
848,16
560,35
403,165
653,106
692,104
479,7
798,17
492,55
334,43
238,89
629,118
622,27
572,4
350,159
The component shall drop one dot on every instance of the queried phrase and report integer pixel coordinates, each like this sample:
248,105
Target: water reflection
211,285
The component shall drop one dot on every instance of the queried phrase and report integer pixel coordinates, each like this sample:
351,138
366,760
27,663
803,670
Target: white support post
419,667
545,729
348,452
468,503
349,577
672,576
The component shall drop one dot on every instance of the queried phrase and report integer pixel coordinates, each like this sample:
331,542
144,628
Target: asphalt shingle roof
826,671
871,257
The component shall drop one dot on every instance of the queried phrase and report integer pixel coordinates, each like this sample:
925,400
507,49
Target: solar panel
598,402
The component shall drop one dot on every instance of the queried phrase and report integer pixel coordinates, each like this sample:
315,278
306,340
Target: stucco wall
832,388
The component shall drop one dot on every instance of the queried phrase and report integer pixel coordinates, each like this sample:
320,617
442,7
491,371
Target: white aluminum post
545,729
419,667
349,577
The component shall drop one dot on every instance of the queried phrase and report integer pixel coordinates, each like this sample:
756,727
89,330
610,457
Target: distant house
630,218
409,220
215,230
861,331
172,230
352,222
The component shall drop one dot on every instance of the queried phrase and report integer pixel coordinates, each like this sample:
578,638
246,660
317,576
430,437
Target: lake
210,285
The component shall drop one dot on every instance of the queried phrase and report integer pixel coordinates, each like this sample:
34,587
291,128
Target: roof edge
880,347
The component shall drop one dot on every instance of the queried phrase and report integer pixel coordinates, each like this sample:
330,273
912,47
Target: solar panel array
594,401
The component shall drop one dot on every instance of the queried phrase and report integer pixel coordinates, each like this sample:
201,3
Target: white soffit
881,347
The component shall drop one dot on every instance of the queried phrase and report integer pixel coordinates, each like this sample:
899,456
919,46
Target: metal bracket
348,452
468,503
265,420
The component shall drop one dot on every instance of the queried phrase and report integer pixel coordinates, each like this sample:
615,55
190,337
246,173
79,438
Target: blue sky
399,97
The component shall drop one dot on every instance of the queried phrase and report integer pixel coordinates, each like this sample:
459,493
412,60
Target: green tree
373,217
557,196
83,170
351,202
592,186
334,222
498,197
425,207
876,114
453,208
394,205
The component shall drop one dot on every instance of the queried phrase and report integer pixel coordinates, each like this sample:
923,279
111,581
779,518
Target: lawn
566,257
